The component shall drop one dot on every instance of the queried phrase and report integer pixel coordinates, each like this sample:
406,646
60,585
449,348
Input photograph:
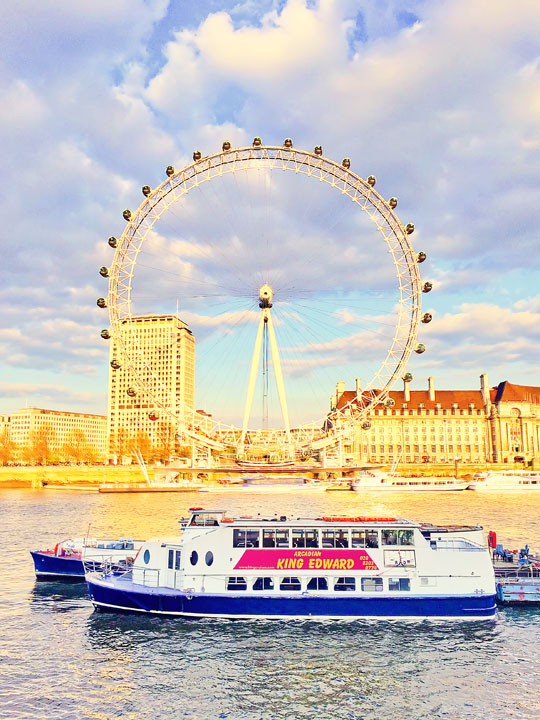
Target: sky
440,100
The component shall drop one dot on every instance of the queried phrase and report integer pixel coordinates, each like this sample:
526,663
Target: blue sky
441,101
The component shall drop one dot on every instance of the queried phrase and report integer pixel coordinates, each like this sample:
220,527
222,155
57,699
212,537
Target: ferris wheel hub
265,296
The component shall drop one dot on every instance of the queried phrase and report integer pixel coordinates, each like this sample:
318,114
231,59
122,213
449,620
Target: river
59,659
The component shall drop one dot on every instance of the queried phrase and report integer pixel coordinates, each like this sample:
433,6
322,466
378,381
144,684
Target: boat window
269,538
236,583
372,537
204,519
345,584
317,583
389,537
146,557
399,558
282,538
405,537
177,560
358,538
171,559
342,538
245,538
298,538
328,539
290,583
263,583
372,584
194,557
209,558
402,584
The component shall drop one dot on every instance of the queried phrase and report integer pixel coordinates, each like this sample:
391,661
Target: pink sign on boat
305,560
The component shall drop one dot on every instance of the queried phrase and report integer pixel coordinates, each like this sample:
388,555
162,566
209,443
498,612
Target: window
236,583
372,538
194,557
177,559
399,584
245,538
209,558
146,557
389,537
171,559
263,583
405,537
317,583
358,538
372,584
290,583
345,584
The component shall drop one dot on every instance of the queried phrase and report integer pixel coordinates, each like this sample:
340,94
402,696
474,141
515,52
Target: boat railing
107,566
459,544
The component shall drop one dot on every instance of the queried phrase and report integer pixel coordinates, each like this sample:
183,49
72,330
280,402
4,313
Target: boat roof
220,518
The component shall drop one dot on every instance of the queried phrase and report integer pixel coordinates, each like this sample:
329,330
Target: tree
120,444
166,441
8,449
77,448
143,444
41,442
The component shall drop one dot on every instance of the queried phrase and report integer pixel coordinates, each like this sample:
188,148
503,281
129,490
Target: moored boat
66,560
328,567
377,480
268,484
506,480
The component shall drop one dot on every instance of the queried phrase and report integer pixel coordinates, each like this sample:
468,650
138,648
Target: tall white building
163,352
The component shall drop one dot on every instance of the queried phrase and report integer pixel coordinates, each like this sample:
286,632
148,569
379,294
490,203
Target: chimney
406,391
484,389
431,389
340,389
358,387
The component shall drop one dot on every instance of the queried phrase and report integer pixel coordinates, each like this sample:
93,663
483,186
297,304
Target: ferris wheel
268,164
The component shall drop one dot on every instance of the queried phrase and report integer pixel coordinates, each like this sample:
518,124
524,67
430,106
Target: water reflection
59,597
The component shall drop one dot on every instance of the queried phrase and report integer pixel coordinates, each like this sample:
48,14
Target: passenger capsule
393,202
170,170
105,334
152,416
197,155
346,162
366,425
257,142
427,318
104,271
421,257
407,377
101,302
420,348
409,228
287,143
371,180
113,242
115,364
427,287
127,215
226,145
131,392
318,150
390,402
146,190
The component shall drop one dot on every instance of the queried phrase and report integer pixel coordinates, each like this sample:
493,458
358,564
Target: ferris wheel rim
179,183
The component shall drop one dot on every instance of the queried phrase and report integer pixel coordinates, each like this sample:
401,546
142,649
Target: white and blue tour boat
329,567
65,561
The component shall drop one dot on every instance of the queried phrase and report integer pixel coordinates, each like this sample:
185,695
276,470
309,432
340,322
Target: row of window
341,584
320,538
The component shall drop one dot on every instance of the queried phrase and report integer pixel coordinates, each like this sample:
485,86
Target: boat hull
52,567
118,594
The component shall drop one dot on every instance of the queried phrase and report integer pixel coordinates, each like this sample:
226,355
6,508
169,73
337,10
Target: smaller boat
506,480
368,480
520,583
269,483
66,560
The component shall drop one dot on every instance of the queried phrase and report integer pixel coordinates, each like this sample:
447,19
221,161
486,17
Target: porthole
209,558
146,556
194,557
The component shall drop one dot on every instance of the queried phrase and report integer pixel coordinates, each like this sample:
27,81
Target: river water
59,659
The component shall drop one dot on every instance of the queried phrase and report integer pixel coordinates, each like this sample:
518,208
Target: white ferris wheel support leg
279,378
255,361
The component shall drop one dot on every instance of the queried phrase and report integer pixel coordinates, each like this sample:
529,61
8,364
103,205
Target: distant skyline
441,101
